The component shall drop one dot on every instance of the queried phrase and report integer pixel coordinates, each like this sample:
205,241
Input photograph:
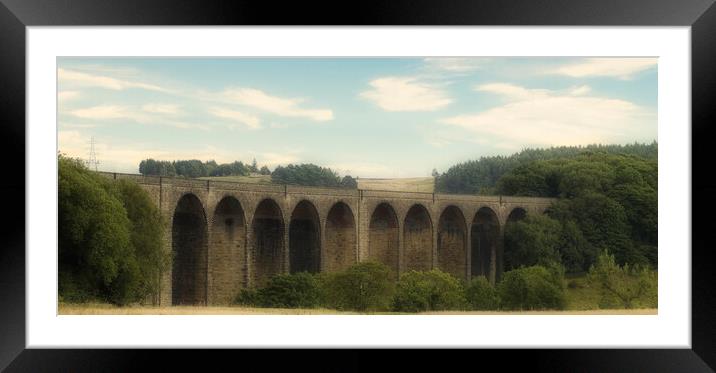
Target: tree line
480,176
306,174
194,168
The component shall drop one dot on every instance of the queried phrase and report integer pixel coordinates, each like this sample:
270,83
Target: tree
253,167
435,173
349,182
265,171
305,174
428,291
534,240
109,238
623,286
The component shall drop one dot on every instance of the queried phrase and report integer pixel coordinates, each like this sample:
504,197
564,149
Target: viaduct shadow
304,242
190,252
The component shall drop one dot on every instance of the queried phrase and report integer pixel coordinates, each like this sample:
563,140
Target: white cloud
538,117
622,68
107,112
405,94
64,96
248,121
455,64
138,115
287,107
168,109
78,78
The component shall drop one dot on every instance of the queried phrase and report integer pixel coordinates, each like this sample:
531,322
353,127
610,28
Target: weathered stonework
227,236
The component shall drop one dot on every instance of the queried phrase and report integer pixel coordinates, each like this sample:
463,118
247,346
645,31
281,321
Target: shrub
480,295
428,291
623,286
531,288
367,286
298,290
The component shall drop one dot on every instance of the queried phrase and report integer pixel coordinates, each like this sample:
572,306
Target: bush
531,288
298,290
623,286
367,286
480,295
428,291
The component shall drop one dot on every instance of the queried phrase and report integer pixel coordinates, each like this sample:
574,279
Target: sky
366,117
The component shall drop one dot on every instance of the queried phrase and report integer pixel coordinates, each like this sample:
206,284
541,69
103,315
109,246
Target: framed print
48,66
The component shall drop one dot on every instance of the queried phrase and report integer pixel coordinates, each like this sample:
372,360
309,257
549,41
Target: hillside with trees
480,176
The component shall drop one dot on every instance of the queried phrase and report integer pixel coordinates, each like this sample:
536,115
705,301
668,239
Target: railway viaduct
225,236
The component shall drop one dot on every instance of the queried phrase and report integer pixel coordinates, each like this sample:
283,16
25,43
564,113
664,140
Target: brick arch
384,236
484,245
189,251
341,240
304,238
267,241
227,252
452,241
417,238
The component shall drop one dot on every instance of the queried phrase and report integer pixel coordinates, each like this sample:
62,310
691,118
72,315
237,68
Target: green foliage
531,288
265,171
367,286
146,235
623,286
480,295
349,182
428,291
101,255
157,168
306,174
533,240
608,201
481,176
297,290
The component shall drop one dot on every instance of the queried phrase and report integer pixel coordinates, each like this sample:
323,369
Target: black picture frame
16,15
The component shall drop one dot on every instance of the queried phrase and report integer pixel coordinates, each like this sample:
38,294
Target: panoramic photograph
357,185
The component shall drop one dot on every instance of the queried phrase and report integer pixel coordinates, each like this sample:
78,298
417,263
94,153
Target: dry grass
108,309
415,184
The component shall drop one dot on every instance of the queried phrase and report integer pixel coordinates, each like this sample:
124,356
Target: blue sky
368,117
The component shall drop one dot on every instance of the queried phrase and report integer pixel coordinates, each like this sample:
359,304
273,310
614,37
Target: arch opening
304,244
383,236
189,252
485,233
418,239
267,242
517,214
340,238
227,262
452,242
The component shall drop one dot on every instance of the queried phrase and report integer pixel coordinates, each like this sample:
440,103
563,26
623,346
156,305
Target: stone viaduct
225,236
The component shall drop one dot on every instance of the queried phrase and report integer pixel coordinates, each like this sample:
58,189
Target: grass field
254,179
414,184
107,309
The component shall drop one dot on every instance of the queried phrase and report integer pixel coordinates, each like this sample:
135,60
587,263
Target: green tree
265,171
428,291
147,226
623,286
367,286
105,251
480,295
531,288
533,240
